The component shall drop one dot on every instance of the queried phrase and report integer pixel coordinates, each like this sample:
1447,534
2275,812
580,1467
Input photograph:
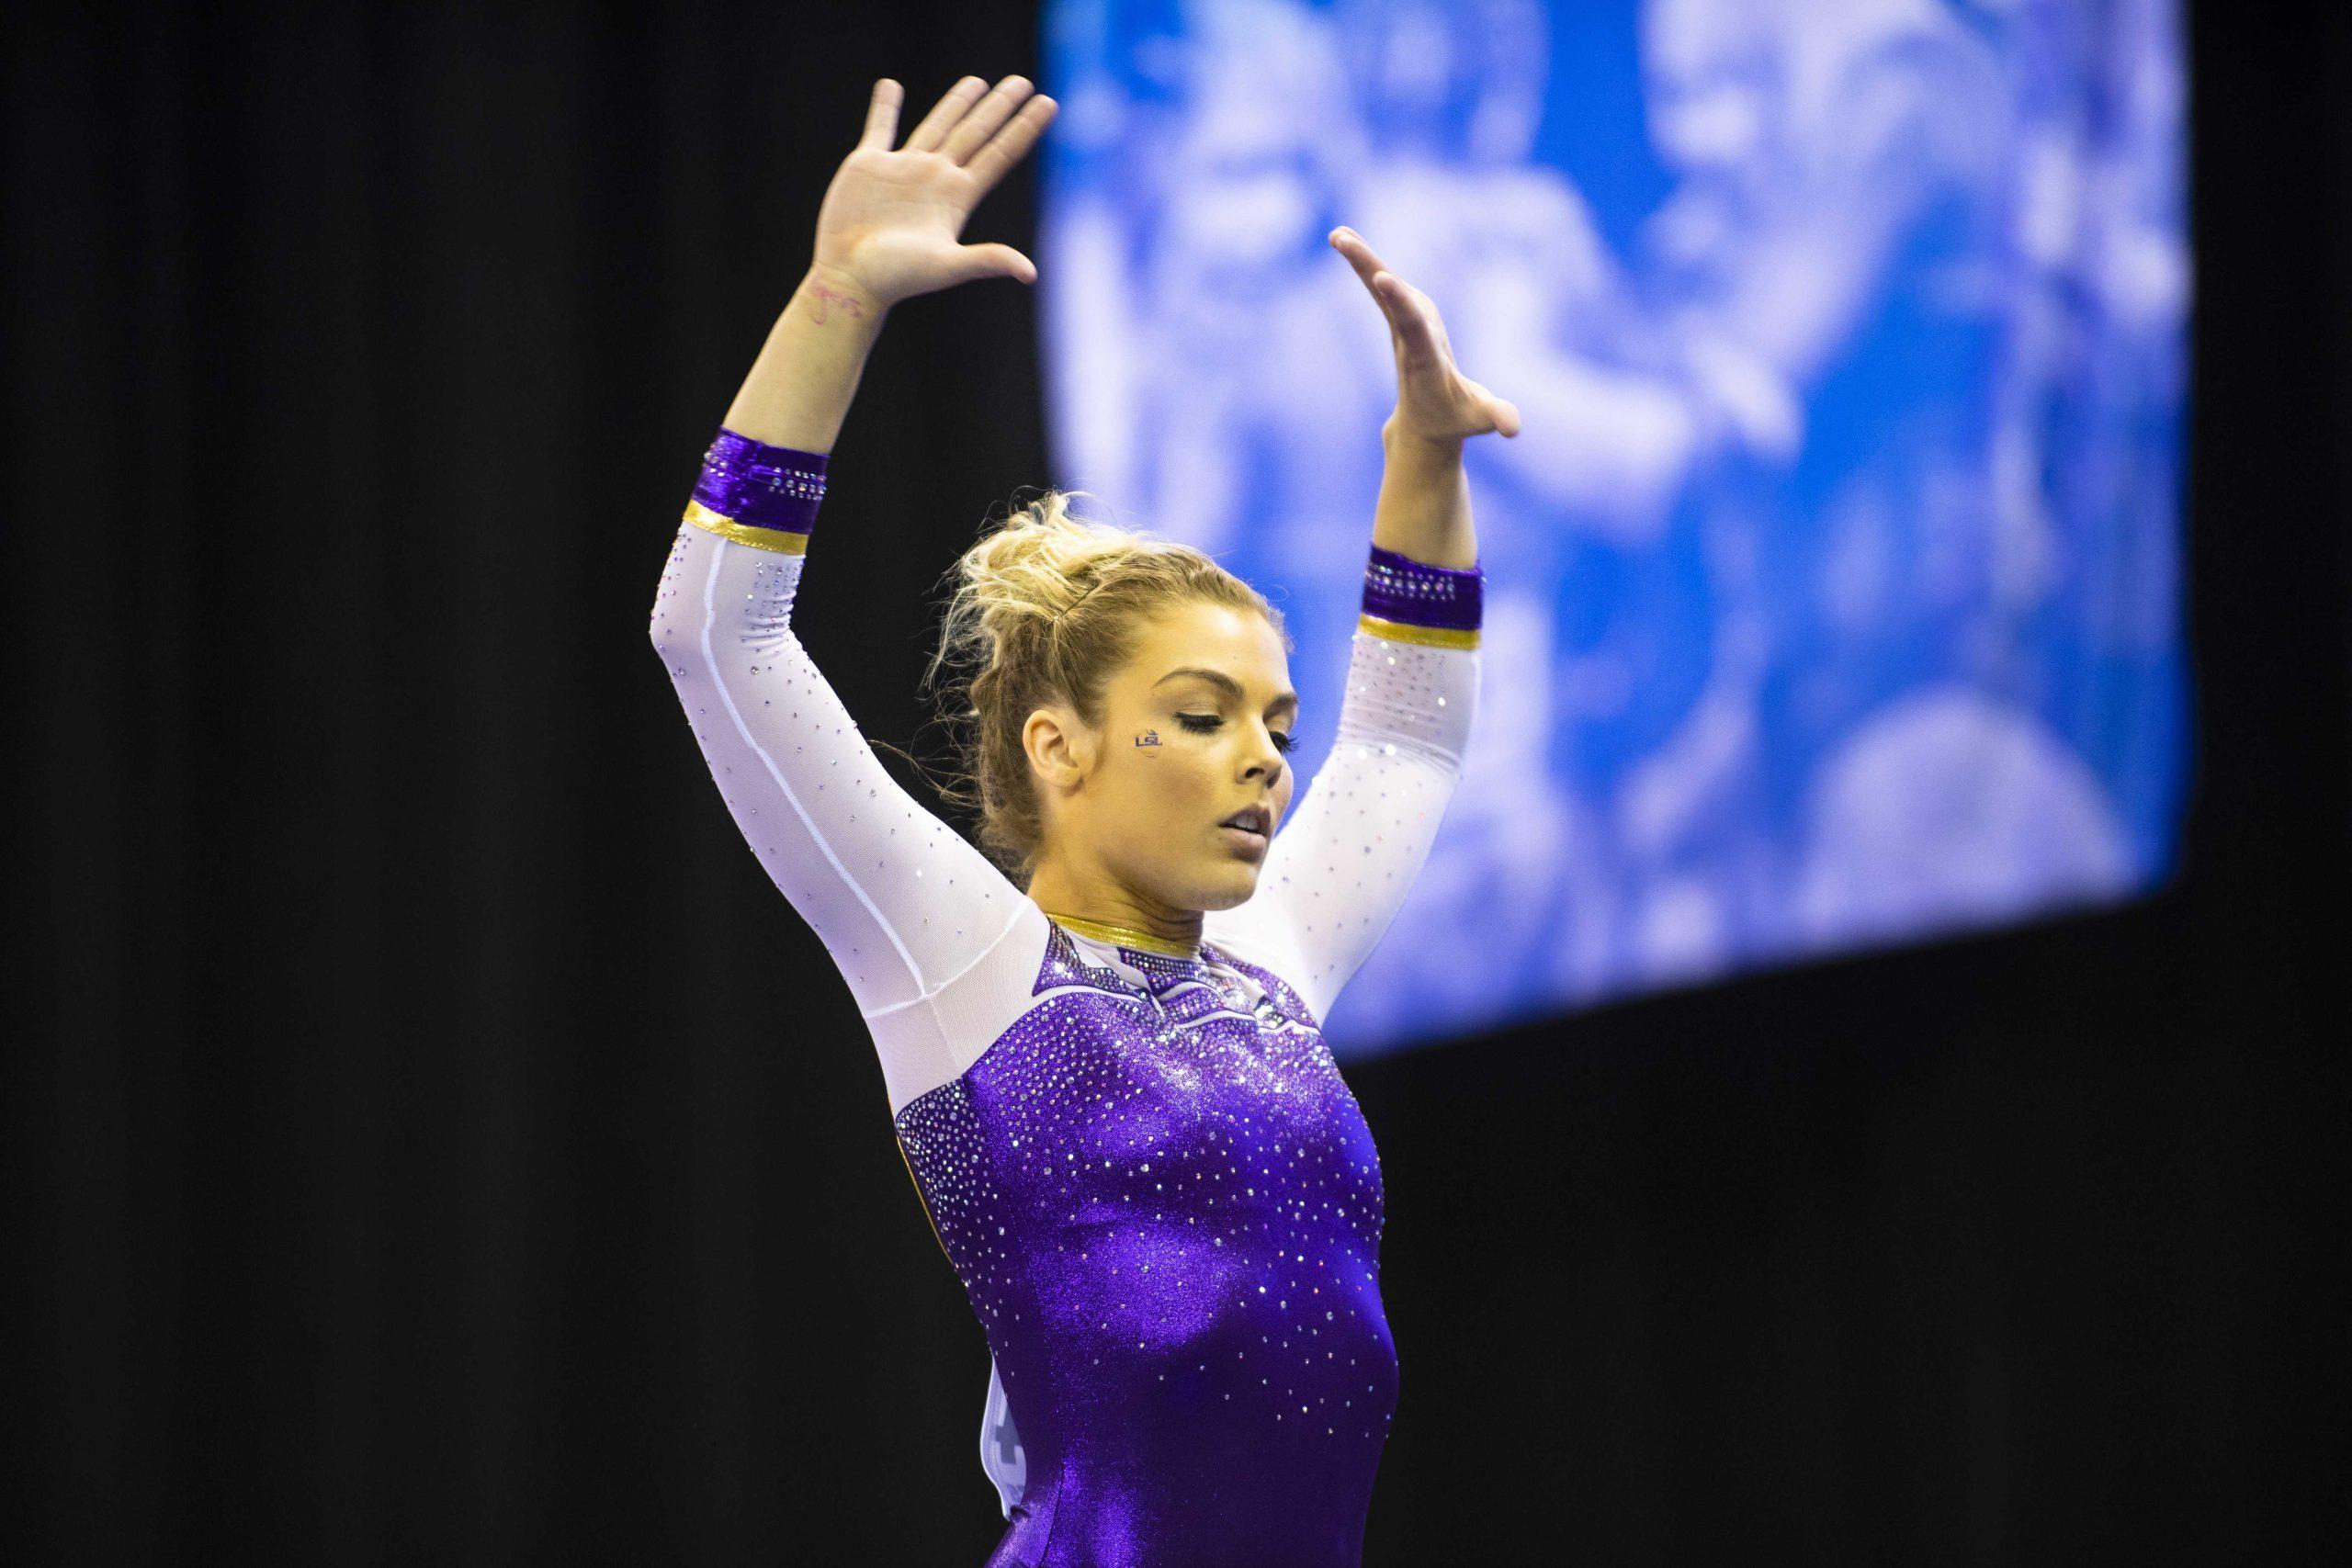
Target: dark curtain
428,1136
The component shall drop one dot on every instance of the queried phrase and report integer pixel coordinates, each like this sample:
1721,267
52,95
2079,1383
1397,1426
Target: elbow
674,639
1461,708
1465,724
669,629
663,634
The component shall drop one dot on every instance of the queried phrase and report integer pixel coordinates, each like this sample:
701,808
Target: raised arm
886,231
903,903
1339,871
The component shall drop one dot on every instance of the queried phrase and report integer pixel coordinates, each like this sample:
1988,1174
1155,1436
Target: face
1195,727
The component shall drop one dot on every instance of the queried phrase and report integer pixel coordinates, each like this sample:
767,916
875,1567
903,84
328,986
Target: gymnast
1100,1029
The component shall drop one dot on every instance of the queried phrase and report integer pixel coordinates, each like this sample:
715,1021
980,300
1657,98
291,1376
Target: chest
1098,1115
1181,1093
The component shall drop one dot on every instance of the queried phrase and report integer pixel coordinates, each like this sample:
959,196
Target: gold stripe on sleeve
1428,636
783,541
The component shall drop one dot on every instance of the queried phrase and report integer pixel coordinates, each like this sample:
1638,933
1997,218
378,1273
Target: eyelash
1201,723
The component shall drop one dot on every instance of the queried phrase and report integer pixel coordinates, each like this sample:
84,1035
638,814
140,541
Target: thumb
1502,410
994,261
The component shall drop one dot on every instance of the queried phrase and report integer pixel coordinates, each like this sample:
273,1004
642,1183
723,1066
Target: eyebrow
1218,678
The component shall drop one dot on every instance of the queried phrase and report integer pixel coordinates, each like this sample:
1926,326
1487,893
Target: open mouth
1249,828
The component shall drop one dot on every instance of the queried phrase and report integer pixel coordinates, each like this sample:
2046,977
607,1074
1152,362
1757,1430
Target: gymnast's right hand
889,221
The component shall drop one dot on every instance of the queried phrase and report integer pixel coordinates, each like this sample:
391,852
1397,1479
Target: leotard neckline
1126,936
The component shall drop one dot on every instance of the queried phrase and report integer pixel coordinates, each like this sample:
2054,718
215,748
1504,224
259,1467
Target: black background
429,1137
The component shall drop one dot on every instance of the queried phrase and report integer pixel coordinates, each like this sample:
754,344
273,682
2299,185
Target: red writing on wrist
823,294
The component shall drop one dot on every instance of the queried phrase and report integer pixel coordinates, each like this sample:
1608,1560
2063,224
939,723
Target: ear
1061,749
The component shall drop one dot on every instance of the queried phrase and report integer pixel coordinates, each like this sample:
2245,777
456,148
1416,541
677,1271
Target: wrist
1398,441
834,293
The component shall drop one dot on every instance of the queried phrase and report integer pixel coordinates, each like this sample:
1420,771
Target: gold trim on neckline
1126,936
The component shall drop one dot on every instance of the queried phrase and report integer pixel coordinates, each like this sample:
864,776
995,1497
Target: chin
1232,890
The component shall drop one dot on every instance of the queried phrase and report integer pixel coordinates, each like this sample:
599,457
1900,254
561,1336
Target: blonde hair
1047,606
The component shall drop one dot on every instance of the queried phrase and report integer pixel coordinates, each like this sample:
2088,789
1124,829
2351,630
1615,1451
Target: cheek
1172,784
1150,775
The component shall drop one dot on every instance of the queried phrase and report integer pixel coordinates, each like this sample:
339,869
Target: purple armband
757,494
1411,601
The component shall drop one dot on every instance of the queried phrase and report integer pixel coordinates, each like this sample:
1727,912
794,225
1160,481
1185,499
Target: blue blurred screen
1832,583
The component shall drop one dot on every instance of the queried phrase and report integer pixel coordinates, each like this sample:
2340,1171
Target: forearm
1424,509
799,388
1368,820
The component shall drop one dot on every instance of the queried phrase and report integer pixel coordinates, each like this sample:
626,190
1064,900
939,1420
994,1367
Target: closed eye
1201,723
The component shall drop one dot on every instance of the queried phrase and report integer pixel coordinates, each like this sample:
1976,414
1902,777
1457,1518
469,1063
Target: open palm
890,220
1435,400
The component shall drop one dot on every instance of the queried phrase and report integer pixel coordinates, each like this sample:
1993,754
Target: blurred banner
1832,583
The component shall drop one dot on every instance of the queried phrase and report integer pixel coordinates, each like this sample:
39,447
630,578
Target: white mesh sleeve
1339,869
903,903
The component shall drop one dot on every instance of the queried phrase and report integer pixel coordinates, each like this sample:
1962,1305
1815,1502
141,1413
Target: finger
1418,307
1416,327
944,116
1360,256
1502,410
1389,291
993,261
977,127
882,116
1012,144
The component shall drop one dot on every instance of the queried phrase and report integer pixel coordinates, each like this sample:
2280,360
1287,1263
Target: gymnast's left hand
1434,400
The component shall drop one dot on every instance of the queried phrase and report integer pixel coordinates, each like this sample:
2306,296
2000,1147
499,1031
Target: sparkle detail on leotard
1159,1194
1165,1208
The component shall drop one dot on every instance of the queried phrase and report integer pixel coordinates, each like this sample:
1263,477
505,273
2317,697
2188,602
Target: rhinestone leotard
1141,1160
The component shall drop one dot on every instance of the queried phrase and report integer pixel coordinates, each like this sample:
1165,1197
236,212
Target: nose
1266,759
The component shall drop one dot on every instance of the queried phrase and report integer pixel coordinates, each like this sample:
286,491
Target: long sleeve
903,903
1339,868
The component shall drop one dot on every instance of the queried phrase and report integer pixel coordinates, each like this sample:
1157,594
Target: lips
1256,820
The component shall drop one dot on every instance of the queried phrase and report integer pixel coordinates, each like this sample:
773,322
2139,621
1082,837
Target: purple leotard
1142,1161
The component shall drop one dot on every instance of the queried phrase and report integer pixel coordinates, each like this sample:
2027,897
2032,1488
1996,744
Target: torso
1165,1207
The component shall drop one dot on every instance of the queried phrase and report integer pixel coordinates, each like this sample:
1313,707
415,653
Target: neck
1095,901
